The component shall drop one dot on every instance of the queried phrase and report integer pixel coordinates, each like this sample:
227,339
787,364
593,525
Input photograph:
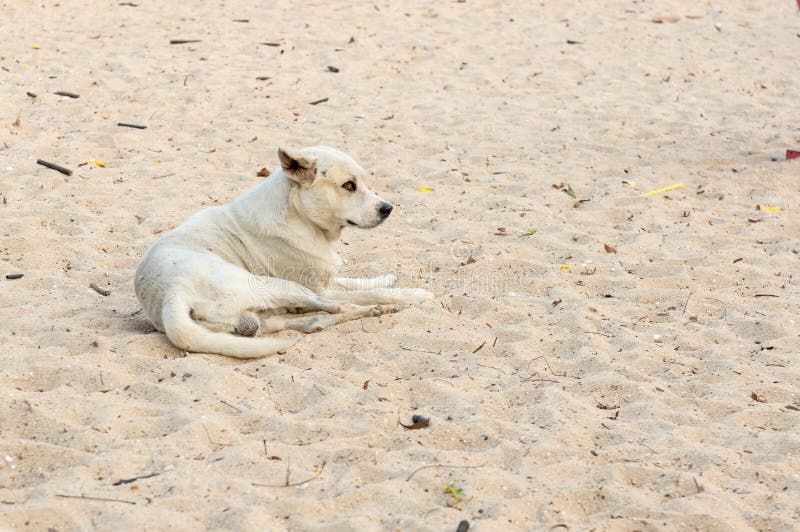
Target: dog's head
332,189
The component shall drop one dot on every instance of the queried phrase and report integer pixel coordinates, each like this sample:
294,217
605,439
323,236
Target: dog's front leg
316,322
378,296
381,281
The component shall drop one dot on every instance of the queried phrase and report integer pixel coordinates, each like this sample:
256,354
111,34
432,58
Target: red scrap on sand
792,154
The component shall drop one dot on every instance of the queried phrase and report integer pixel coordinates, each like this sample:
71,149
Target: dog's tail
187,334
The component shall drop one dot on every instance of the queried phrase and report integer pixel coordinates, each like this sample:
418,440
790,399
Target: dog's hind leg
317,322
233,307
382,281
380,296
280,293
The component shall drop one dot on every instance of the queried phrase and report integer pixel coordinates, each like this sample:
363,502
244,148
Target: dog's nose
385,209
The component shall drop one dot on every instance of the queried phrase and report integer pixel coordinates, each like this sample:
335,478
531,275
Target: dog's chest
274,258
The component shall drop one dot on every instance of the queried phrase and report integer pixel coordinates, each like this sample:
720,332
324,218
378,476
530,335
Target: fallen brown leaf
609,249
421,424
661,20
264,172
603,406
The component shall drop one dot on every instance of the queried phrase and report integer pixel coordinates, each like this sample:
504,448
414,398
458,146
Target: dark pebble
333,69
13,276
416,418
463,526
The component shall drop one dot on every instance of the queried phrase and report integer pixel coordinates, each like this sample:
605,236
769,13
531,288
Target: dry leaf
421,424
609,249
264,172
661,20
664,189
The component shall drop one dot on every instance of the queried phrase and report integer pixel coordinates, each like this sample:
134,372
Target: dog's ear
299,168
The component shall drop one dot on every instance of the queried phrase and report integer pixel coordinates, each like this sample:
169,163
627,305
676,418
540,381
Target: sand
574,387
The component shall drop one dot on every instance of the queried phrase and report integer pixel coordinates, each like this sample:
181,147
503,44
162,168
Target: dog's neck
278,196
296,212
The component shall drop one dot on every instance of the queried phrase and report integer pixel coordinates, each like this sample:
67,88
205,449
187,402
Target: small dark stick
67,94
12,276
65,171
32,95
100,290
134,479
333,69
134,126
270,43
88,498
317,102
183,41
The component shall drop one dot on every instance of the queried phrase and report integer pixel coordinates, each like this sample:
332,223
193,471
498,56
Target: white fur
238,267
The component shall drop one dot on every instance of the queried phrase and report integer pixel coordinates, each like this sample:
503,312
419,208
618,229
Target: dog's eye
351,186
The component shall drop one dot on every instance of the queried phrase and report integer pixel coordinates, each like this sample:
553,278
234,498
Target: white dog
229,272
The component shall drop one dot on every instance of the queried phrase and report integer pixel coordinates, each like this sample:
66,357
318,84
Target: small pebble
463,526
13,276
416,418
333,69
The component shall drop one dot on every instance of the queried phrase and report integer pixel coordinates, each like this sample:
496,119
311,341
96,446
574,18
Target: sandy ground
655,387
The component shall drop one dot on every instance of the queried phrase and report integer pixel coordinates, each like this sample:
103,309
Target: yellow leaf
564,267
664,189
101,164
425,189
773,209
34,47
